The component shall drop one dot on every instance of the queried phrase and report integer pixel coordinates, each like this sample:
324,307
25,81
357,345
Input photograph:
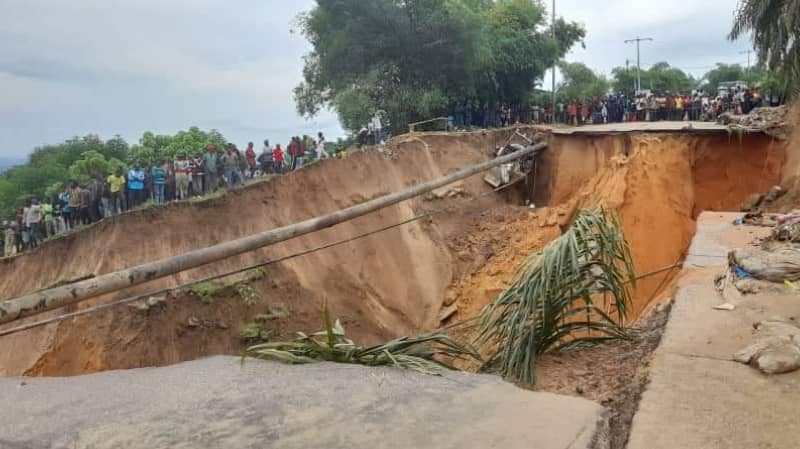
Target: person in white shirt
378,128
322,153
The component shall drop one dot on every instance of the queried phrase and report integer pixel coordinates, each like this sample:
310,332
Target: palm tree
775,29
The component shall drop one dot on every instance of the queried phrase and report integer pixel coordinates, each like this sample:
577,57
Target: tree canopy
581,82
774,27
82,158
416,59
661,77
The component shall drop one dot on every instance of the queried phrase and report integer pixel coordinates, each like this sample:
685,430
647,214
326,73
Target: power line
638,41
140,297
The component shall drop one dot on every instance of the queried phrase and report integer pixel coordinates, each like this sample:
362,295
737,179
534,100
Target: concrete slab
698,397
631,127
217,403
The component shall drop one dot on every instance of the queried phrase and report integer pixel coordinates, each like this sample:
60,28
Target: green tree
416,59
661,77
580,82
774,27
724,73
192,142
91,166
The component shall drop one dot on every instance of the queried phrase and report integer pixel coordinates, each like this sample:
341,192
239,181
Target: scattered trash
790,284
193,321
727,306
776,266
740,273
778,349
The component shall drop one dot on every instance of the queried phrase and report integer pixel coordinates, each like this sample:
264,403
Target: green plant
331,345
257,330
551,301
205,291
248,294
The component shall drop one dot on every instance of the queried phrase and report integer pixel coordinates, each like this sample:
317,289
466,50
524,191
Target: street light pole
638,41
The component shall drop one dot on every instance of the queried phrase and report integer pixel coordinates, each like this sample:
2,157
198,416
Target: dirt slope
658,190
387,285
394,283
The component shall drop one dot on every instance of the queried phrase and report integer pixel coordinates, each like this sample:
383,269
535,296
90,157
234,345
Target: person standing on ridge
295,150
278,157
135,186
116,186
250,155
182,177
159,181
210,169
49,229
266,159
321,152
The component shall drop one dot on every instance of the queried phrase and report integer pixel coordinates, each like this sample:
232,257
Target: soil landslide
397,282
383,286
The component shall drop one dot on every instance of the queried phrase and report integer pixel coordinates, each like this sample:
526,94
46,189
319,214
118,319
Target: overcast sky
125,66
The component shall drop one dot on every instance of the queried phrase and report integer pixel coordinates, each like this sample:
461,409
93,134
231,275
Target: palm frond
423,353
551,300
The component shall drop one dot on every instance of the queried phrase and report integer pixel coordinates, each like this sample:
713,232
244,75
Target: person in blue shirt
135,185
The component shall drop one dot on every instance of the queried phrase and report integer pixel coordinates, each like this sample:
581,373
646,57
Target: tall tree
774,26
580,82
660,77
415,59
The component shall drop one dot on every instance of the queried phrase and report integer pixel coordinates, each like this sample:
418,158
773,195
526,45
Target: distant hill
8,162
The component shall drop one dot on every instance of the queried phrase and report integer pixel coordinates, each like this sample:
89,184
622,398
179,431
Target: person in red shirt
250,155
277,156
297,152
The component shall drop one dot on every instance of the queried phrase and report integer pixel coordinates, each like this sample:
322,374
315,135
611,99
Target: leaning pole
53,298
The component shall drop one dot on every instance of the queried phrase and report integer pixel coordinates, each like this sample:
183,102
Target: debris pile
777,349
771,121
755,202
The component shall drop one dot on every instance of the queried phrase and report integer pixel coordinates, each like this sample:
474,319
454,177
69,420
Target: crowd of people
106,195
614,108
696,106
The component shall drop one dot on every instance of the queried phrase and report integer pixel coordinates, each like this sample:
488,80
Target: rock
448,312
727,306
139,306
778,349
450,298
774,193
156,300
752,202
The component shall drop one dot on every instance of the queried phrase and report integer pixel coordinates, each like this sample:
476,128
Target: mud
394,283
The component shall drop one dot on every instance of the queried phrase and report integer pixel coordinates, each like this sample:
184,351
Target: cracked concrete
698,397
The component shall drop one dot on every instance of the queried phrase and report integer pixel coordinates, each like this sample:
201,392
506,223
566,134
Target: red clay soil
392,284
385,286
657,191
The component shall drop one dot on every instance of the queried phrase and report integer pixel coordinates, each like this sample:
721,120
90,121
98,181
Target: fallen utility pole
49,299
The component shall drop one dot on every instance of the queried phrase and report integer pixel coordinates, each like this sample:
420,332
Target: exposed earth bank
390,284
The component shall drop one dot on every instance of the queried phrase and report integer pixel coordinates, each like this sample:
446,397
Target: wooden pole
44,300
